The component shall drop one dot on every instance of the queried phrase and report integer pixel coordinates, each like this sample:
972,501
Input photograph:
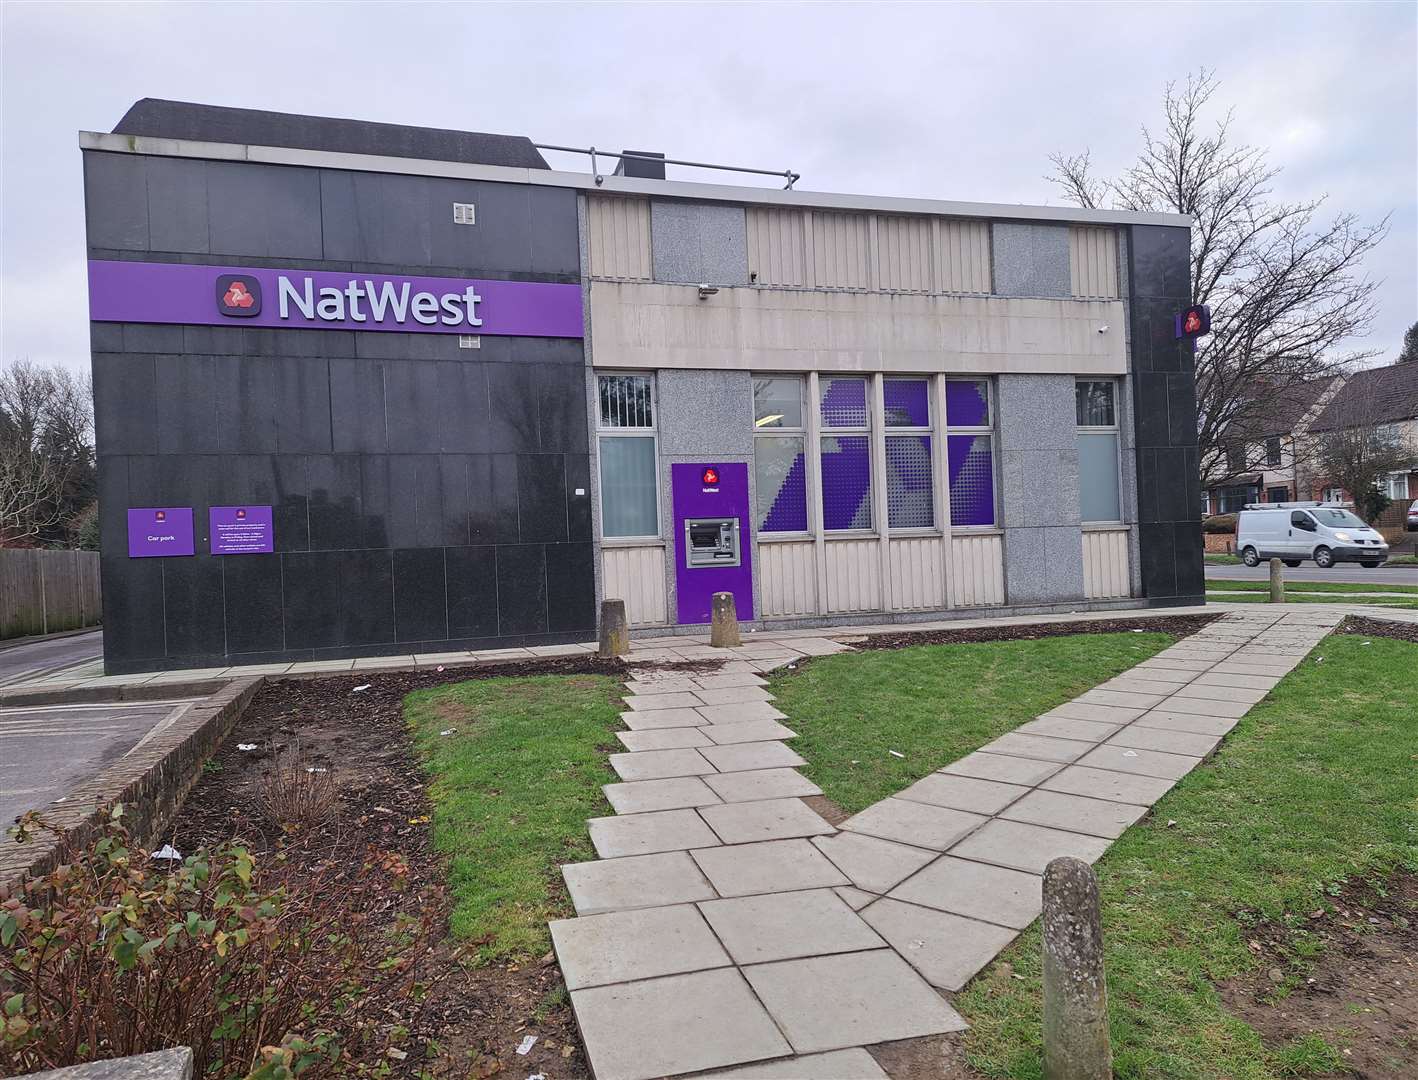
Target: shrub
1219,523
296,794
116,954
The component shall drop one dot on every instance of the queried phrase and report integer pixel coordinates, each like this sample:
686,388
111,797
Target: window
1231,499
1236,458
1272,452
1333,494
779,463
1276,494
629,476
1095,406
1397,487
910,491
969,452
846,454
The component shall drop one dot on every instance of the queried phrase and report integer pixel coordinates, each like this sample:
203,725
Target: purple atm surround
692,498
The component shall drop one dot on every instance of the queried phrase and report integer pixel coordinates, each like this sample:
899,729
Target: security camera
706,291
1103,329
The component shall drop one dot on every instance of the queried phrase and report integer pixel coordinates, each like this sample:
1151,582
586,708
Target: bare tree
1358,447
46,449
1285,288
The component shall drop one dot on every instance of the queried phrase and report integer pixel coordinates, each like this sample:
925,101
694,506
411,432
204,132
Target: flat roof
610,184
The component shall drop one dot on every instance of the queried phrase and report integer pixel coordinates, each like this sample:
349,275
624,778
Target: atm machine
713,543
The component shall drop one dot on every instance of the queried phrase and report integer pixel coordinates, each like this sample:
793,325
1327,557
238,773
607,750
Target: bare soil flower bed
1178,625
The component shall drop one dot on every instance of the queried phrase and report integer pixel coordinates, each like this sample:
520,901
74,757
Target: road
1380,575
32,659
45,750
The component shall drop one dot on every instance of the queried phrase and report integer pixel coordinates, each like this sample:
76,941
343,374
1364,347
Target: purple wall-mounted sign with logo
159,530
330,300
241,530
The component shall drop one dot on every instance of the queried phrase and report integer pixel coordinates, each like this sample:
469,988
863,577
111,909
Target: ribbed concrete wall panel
917,572
1106,573
853,575
619,237
903,254
787,578
1093,261
777,247
637,576
963,257
841,250
976,570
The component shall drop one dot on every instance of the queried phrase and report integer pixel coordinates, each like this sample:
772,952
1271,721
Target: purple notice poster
159,530
241,530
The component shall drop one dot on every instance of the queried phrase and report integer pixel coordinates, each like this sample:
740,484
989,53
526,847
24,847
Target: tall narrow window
626,440
910,492
1096,406
779,461
846,454
969,452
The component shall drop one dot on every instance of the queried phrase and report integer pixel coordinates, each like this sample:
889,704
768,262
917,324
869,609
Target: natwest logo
238,295
363,300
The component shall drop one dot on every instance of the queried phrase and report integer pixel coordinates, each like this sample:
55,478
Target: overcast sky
948,101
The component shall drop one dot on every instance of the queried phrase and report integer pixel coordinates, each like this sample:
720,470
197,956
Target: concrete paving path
728,927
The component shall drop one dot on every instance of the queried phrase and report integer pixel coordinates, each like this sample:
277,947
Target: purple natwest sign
241,530
159,530
330,300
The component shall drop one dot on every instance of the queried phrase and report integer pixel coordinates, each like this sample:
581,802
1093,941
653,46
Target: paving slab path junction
728,930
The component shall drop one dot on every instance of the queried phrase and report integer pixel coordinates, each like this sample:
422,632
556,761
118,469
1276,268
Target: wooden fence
45,591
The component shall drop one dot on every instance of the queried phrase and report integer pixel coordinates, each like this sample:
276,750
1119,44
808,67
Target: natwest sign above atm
329,300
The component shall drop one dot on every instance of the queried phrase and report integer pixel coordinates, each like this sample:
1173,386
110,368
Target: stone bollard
1277,582
724,625
1075,994
615,634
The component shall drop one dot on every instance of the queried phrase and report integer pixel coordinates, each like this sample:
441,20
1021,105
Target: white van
1293,532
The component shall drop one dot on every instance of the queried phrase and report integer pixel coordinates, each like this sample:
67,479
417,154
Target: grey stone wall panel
1031,260
692,243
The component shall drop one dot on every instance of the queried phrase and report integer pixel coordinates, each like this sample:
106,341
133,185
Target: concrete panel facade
1031,259
697,243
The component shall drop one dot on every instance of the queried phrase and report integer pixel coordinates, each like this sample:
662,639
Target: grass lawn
511,789
1309,586
1313,787
934,703
1223,560
1311,598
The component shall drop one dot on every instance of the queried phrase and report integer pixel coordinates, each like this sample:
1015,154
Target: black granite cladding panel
424,494
1164,404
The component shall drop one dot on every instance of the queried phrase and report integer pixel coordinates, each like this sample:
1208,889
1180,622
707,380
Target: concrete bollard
615,633
1277,582
1075,994
724,624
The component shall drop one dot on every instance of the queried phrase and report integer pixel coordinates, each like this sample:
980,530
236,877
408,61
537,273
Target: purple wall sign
330,300
159,530
692,498
241,530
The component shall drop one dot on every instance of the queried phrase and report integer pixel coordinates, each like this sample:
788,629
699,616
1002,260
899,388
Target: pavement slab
752,785
1198,725
854,898
635,882
1062,727
1204,707
963,793
993,894
770,819
1009,770
656,702
675,1024
1169,740
623,946
725,681
737,714
739,757
1075,813
645,834
919,824
1108,784
661,718
850,999
733,695
748,731
675,793
1098,714
771,866
853,1064
873,864
1144,762
1040,747
780,926
1026,847
658,764
663,739
946,949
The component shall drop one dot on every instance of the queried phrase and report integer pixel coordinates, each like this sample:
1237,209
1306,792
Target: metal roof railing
787,174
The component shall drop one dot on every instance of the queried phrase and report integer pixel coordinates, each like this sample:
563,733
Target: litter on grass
450,731
525,1046
896,753
167,851
246,746
357,689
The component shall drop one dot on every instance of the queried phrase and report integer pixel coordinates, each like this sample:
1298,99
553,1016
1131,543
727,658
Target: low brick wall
1220,543
150,781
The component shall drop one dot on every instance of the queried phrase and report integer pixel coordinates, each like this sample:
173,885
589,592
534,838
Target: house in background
1262,460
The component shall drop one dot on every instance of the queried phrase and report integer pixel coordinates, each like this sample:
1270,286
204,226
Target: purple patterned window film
846,482
780,484
967,403
971,467
844,403
908,403
910,493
